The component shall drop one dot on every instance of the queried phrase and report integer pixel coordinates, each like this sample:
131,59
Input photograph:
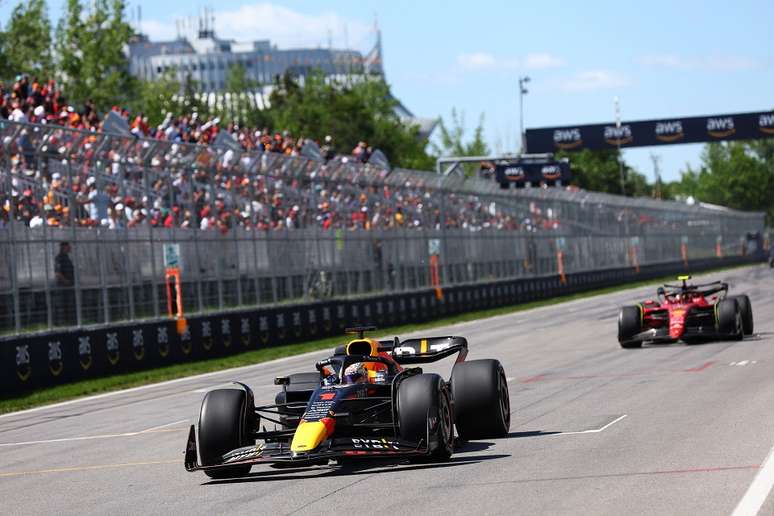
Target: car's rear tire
745,307
629,325
482,407
226,420
729,319
419,399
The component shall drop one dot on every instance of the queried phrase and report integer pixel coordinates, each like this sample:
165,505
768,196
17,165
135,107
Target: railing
282,228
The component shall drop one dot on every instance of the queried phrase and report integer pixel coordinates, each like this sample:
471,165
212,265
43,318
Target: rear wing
432,349
420,351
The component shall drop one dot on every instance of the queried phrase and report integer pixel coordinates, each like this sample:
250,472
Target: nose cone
677,323
309,435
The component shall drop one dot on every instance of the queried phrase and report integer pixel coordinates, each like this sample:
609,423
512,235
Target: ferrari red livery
687,312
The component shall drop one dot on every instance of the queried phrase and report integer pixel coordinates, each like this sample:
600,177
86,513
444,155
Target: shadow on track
533,433
350,469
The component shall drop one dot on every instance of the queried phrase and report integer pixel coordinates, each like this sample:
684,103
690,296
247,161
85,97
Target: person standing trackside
65,281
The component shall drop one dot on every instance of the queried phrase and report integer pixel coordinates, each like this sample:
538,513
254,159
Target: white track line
160,428
596,430
759,490
173,423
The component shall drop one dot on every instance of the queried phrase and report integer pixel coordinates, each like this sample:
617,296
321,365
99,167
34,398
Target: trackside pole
175,300
560,267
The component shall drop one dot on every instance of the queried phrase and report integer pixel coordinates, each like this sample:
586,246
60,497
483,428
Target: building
205,58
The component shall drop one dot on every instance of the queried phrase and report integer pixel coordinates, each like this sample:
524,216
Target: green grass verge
124,381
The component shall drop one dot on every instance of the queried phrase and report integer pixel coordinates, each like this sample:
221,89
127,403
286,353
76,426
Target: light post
617,109
522,91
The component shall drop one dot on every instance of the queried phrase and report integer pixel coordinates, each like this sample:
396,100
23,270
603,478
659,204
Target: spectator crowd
59,177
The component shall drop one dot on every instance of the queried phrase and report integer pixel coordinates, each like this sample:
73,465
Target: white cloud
477,61
484,61
709,63
543,60
591,80
283,26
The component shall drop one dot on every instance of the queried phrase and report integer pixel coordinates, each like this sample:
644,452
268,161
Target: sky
660,58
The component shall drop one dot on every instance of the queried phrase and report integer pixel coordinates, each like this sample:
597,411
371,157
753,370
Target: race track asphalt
669,429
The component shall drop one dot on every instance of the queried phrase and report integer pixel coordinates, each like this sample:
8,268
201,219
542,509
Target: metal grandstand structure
286,228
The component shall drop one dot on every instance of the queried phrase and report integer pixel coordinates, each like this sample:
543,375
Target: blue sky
662,59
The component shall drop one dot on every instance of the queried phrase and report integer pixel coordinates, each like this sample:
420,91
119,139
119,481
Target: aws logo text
567,138
669,131
514,173
766,123
618,135
720,127
551,172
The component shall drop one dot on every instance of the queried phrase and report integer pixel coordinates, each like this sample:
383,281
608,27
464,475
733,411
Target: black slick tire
422,398
745,308
629,325
729,319
224,426
482,407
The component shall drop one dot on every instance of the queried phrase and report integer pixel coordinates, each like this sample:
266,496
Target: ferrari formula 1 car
367,400
691,313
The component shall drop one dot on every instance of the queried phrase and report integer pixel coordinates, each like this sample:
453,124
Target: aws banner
740,126
532,171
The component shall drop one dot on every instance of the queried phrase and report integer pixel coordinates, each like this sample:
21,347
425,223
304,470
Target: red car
691,313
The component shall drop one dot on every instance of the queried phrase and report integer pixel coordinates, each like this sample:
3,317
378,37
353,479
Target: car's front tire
225,423
629,325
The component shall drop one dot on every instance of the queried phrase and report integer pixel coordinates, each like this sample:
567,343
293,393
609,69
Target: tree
350,113
68,39
738,175
157,98
92,60
27,41
599,171
451,140
242,108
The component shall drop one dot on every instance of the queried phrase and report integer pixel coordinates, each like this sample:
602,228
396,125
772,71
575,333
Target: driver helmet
355,373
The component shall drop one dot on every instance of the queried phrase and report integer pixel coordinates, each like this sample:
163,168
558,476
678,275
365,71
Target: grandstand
256,226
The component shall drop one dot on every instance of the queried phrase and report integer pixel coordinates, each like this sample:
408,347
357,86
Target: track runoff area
596,429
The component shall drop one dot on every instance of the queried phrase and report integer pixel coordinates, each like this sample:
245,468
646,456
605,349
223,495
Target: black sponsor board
520,172
667,131
56,358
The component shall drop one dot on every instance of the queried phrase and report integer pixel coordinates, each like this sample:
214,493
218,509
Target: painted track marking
595,430
152,430
759,490
87,468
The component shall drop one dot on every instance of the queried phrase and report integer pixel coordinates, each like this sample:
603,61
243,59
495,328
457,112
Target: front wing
278,453
662,334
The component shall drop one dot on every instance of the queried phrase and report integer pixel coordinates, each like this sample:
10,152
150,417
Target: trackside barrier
40,360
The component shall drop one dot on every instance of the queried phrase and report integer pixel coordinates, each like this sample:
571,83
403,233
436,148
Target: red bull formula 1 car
691,313
367,400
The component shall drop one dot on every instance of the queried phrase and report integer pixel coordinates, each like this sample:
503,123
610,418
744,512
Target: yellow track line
88,468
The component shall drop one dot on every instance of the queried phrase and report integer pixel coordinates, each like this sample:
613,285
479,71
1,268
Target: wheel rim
505,402
446,423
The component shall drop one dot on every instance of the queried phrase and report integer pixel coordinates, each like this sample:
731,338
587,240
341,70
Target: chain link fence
261,228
